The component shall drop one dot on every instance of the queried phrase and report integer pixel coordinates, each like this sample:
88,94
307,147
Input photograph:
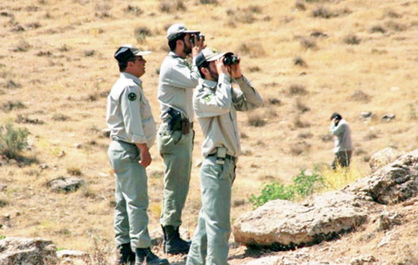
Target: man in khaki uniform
132,129
215,102
175,136
343,147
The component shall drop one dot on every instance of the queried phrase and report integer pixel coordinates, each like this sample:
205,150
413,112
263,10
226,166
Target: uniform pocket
168,141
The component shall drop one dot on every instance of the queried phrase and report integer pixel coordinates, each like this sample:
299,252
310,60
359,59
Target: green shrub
304,185
12,141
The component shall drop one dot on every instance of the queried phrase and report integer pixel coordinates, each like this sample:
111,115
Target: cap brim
216,57
141,53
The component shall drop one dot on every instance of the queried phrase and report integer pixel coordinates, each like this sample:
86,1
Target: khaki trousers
210,240
131,196
176,150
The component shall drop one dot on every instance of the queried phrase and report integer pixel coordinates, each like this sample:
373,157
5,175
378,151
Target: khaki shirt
176,84
343,136
128,113
215,104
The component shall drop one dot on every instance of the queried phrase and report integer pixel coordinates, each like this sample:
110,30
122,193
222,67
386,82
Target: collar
132,77
174,55
209,83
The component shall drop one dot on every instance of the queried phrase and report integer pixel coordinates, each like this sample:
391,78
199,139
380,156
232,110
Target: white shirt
128,112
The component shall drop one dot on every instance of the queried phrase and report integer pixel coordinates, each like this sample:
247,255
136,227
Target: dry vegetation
307,58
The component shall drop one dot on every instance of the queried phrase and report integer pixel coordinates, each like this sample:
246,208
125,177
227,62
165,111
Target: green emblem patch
132,96
207,98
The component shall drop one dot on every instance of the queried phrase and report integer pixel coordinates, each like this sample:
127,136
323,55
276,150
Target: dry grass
61,85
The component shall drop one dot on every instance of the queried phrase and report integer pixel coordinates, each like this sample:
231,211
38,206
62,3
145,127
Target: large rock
383,157
284,224
65,184
27,251
393,183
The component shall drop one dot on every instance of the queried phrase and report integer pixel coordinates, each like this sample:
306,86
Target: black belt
121,141
233,158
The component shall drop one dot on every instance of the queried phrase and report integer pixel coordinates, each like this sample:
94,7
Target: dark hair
203,65
336,115
124,64
173,42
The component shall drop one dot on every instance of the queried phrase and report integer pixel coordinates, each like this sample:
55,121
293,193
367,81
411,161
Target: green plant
303,185
12,141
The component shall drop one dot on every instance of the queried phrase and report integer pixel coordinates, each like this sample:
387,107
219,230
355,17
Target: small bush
60,117
308,43
141,33
378,29
339,178
208,2
303,185
274,101
256,120
12,85
322,12
300,5
352,39
318,34
299,61
172,6
11,105
12,141
254,69
74,171
133,10
301,107
297,90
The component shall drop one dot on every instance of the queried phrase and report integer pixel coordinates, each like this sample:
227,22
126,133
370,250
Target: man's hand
198,45
220,67
145,155
235,71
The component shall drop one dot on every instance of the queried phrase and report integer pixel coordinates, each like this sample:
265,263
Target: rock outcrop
393,183
383,157
285,224
27,251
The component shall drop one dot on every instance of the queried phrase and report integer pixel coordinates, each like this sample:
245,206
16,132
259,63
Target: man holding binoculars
215,102
175,136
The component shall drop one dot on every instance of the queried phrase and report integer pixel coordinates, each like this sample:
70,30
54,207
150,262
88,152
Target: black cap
126,52
336,115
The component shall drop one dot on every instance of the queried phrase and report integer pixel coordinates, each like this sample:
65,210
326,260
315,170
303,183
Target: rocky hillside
378,212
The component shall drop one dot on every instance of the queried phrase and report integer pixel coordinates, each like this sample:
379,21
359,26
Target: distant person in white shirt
343,147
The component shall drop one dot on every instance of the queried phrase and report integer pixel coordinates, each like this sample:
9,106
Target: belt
232,158
121,141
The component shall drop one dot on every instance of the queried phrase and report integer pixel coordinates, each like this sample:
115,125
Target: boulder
27,251
65,184
393,183
383,157
284,224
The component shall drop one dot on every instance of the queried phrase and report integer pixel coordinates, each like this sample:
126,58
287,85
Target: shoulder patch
207,98
132,96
